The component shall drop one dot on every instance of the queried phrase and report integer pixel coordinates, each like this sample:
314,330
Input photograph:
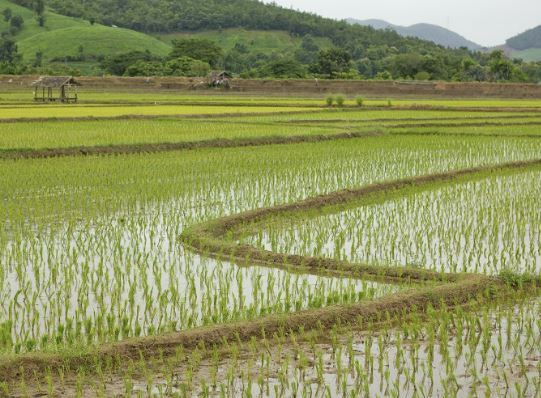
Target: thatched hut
220,79
56,89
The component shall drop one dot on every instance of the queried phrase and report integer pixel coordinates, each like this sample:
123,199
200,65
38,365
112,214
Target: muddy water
481,227
59,282
493,352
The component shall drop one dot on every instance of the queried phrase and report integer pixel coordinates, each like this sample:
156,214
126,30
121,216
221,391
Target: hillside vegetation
66,37
256,41
529,55
97,40
529,39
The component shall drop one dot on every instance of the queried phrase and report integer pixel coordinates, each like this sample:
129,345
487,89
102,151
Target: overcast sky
486,22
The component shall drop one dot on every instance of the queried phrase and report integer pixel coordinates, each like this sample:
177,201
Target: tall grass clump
329,100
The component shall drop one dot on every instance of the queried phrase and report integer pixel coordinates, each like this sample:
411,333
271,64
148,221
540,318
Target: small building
220,79
55,89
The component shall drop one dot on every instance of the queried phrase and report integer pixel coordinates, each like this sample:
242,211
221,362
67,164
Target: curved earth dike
211,239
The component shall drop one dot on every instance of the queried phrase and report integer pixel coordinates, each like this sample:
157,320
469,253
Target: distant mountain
425,31
526,40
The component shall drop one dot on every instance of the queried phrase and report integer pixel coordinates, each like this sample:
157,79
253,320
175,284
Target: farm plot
39,135
85,137
493,351
102,268
58,236
72,112
460,228
511,129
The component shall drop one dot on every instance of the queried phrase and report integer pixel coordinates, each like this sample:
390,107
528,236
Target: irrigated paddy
95,273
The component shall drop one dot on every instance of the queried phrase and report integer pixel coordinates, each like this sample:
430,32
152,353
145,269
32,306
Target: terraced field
215,247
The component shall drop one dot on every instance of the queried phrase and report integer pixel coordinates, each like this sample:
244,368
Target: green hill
95,40
256,41
63,36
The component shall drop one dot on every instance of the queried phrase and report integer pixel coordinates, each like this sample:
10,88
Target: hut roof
220,74
55,81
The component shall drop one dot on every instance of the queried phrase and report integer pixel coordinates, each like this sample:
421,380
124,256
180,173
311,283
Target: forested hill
163,16
529,39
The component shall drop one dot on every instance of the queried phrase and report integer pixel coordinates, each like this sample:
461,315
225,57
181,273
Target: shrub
329,100
359,101
340,100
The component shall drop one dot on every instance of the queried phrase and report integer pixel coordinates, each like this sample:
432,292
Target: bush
340,100
422,76
359,101
389,103
329,100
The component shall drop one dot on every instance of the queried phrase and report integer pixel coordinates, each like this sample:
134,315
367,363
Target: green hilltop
64,36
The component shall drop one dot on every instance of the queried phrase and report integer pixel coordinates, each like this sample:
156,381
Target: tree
186,66
406,65
308,51
117,64
143,68
16,23
38,61
500,67
200,49
8,50
7,13
333,61
39,9
283,68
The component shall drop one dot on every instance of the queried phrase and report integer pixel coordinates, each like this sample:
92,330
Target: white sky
486,22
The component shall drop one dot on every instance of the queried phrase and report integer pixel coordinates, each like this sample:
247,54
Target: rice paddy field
174,245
